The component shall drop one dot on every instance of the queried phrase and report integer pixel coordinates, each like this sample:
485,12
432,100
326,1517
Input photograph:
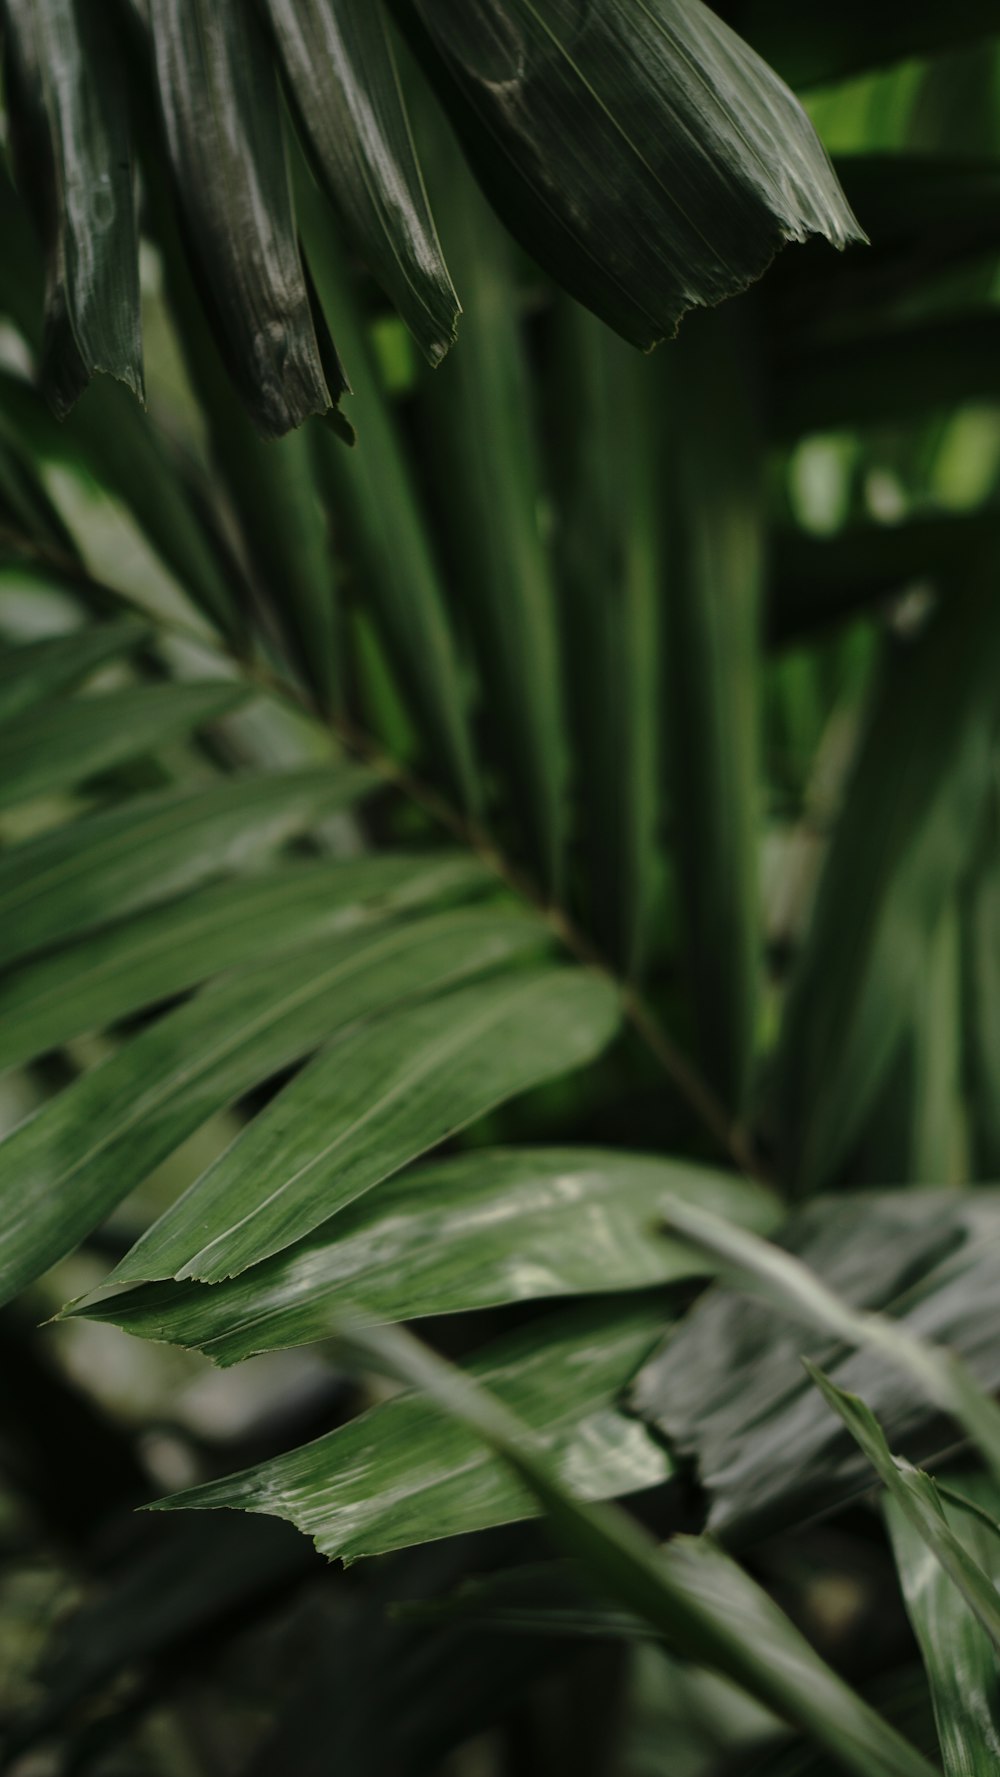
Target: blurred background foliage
680,667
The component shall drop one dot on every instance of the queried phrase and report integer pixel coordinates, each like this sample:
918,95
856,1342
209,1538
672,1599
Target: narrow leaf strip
341,72
33,671
90,873
960,1658
219,98
364,1107
787,1284
60,743
106,976
68,101
474,1231
917,1498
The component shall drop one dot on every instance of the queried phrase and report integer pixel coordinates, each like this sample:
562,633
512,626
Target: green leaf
704,1607
474,1231
728,1390
788,1285
60,743
68,104
917,1497
406,1473
644,155
32,671
482,426
221,113
341,72
373,492
109,974
67,1166
906,831
888,374
715,570
981,996
79,877
380,1097
609,549
960,1658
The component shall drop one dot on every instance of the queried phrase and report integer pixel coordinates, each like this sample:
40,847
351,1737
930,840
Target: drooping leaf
642,153
728,1390
59,743
960,1658
712,614
77,878
380,1097
33,671
404,1473
66,1167
906,831
219,97
109,974
341,72
471,1232
375,500
699,1601
609,548
69,115
917,1498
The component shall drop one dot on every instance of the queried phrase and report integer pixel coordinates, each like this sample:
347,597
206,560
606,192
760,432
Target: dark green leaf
642,153
68,110
66,1167
380,1097
889,374
159,954
221,113
961,1660
812,44
906,832
728,1390
480,1229
60,743
404,1473
341,71
35,670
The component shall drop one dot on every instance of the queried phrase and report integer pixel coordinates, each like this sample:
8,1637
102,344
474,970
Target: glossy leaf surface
477,1230
381,1096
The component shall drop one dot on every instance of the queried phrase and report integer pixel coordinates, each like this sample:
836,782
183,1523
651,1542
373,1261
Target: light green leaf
60,743
219,96
66,1167
104,977
341,72
960,1658
380,1097
406,1473
77,878
917,1498
474,1231
68,108
643,154
32,671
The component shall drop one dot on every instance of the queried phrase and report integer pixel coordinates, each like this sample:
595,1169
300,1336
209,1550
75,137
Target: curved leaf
378,1098
32,671
639,149
341,71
